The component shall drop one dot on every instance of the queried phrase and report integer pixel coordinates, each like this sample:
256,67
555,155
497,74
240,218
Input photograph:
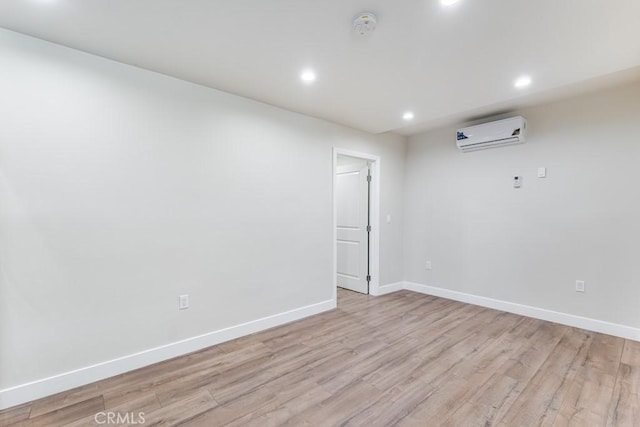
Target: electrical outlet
579,285
183,302
427,265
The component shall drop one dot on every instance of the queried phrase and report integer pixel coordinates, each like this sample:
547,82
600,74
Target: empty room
319,213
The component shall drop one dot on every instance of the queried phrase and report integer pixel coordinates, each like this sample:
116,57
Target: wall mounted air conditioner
492,134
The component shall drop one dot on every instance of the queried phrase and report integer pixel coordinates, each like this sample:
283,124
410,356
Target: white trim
23,393
594,325
374,237
387,289
45,387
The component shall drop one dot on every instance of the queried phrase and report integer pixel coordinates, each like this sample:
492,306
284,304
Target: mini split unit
493,134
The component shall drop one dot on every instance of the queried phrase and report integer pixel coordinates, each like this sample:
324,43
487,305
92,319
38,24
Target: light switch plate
183,302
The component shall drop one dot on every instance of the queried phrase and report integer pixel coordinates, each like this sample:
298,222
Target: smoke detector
364,23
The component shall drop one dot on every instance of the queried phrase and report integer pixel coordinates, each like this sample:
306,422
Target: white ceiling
441,63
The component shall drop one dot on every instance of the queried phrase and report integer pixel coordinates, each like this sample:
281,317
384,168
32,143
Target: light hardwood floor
401,359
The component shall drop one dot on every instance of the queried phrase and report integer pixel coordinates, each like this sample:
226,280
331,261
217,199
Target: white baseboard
37,389
45,387
387,289
594,325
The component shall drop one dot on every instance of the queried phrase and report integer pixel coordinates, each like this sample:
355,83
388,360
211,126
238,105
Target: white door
352,191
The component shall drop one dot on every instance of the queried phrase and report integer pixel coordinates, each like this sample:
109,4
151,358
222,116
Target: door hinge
368,229
368,278
368,178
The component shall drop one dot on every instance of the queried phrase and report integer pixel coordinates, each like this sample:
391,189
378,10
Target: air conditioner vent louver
492,134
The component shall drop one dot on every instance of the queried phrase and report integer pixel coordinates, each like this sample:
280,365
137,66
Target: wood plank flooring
402,359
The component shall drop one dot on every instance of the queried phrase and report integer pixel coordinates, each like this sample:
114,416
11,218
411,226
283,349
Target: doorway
356,213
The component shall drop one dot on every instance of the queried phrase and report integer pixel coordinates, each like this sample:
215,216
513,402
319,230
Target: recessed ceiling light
308,76
408,116
448,2
523,81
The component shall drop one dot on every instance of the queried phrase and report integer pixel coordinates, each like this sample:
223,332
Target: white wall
530,245
121,189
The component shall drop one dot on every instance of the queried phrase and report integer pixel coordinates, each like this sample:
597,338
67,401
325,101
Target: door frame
374,212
